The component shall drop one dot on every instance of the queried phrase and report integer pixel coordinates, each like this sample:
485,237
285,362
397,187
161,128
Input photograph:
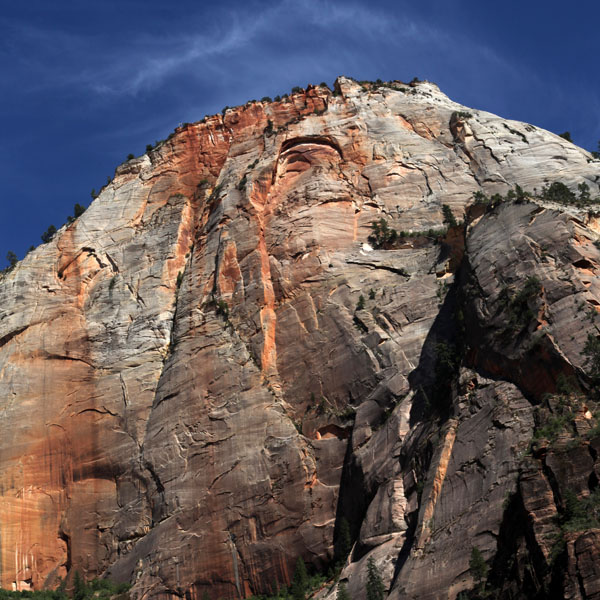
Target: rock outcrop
213,366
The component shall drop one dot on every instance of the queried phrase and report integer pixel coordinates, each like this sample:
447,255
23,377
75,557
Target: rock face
209,369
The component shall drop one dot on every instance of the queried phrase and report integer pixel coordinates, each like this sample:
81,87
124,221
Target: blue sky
84,83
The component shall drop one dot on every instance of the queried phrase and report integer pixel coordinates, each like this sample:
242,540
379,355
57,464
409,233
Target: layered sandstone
193,393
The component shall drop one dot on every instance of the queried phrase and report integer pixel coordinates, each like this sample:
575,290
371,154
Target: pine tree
449,217
299,581
342,592
48,234
478,567
79,587
375,587
12,259
343,543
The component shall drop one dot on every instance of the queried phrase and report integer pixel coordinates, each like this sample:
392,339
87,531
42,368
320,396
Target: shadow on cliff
439,362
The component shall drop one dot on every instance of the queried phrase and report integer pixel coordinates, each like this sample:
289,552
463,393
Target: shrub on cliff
581,514
521,307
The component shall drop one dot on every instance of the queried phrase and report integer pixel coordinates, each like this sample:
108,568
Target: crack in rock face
261,336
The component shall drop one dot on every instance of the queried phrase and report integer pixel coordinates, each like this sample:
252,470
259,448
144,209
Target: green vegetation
556,417
449,218
434,234
366,85
360,305
461,114
297,89
36,595
591,351
302,586
360,325
515,132
566,135
12,259
48,234
299,585
97,589
375,588
342,592
555,192
478,567
520,307
130,156
268,130
553,427
442,290
577,514
558,192
222,309
78,210
382,236
343,541
266,99
447,361
580,513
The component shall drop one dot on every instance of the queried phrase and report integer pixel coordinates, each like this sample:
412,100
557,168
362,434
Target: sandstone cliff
211,367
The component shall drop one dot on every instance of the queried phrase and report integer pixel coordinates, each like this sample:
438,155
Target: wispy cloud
254,45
